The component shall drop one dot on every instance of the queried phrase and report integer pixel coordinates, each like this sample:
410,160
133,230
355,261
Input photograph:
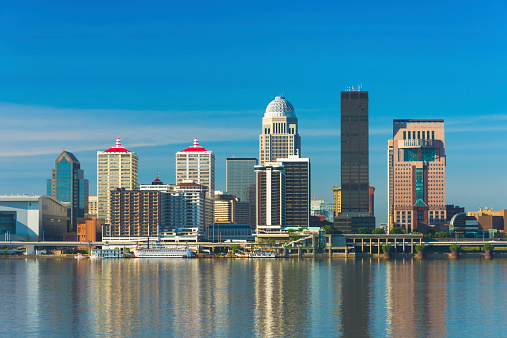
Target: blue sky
76,75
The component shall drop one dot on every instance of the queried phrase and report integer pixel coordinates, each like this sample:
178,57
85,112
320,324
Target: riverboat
106,253
261,254
164,252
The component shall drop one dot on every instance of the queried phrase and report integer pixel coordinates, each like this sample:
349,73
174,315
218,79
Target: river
253,297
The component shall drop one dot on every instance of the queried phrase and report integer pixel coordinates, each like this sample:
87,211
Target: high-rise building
371,200
270,198
337,201
240,181
280,135
229,209
418,167
390,180
92,205
68,185
184,213
197,164
134,214
297,190
354,151
356,211
240,176
321,208
116,168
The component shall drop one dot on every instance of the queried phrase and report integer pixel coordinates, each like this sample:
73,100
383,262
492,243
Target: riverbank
430,255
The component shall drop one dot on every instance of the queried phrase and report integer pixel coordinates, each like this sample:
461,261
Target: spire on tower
196,142
118,143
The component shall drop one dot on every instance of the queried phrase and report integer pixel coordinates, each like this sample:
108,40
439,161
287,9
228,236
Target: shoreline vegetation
427,255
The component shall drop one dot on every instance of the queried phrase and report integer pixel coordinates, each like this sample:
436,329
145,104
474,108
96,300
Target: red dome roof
195,147
118,148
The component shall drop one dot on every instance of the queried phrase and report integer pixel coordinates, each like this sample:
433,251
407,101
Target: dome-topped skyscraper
280,135
280,107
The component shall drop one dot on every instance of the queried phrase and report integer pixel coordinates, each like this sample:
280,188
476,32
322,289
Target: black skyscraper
355,212
354,151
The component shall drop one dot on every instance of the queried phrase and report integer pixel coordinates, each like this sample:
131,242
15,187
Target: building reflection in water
416,299
234,297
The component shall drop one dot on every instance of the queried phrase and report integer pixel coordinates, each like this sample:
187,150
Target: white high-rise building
197,164
280,136
116,168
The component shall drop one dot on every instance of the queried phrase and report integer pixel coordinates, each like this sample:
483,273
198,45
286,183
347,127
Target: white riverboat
164,252
261,254
106,253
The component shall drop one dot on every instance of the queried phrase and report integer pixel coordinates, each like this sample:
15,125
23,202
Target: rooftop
280,107
118,148
195,147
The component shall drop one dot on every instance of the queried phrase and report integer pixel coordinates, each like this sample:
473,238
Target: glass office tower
67,184
240,176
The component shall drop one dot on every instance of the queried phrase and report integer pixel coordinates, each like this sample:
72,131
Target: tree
235,247
454,247
487,246
397,231
127,250
378,231
270,242
442,234
386,248
363,231
419,248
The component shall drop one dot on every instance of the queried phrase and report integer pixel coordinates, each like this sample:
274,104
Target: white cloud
30,130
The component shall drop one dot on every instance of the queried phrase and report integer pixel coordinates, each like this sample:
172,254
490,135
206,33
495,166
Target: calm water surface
241,297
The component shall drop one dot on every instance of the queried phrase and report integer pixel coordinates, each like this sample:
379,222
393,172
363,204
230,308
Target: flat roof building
418,174
32,218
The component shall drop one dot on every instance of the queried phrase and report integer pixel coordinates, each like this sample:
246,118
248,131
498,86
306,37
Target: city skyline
159,79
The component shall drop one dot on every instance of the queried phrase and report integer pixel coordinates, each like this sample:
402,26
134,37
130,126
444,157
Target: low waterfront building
89,229
221,232
32,218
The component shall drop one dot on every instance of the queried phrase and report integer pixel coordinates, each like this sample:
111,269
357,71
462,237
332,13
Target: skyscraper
356,211
116,168
337,200
280,135
354,151
418,169
240,176
197,164
297,190
270,195
67,184
240,181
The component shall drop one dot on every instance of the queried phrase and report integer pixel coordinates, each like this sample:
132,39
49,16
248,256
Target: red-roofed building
117,167
197,164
